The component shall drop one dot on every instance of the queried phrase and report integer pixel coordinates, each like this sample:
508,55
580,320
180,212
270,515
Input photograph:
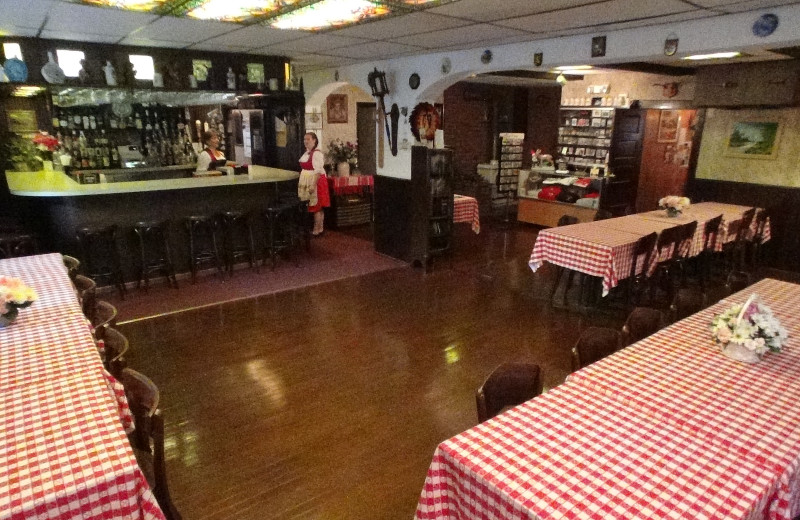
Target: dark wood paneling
392,225
625,160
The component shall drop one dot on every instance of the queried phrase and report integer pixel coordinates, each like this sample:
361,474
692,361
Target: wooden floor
328,402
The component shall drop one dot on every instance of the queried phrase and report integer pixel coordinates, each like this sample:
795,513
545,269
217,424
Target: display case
584,138
546,212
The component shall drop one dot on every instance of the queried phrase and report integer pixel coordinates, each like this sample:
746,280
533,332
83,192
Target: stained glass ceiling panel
309,15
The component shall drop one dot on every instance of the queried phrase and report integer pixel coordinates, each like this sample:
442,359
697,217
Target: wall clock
413,81
671,45
765,25
486,57
447,65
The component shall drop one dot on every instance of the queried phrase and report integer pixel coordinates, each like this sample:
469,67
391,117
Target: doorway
365,134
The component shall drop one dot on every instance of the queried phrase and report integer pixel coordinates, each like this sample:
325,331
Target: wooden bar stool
154,252
100,255
16,244
202,243
237,239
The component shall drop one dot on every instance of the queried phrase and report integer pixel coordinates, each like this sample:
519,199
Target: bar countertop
57,184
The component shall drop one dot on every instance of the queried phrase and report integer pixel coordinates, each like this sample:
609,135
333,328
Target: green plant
17,152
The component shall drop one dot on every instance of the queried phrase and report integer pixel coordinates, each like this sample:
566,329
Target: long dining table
64,452
665,428
604,248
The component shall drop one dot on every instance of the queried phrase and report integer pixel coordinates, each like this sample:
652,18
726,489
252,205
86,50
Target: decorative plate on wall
765,25
413,81
486,57
447,65
16,70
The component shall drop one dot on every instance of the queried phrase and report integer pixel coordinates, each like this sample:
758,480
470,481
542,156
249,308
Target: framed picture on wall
668,123
753,139
337,108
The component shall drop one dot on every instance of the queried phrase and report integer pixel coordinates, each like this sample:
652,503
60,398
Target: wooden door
365,134
619,194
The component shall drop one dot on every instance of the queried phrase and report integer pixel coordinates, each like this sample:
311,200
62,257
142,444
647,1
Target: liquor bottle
148,125
138,122
77,160
56,118
114,157
85,121
106,155
63,123
113,122
92,122
76,119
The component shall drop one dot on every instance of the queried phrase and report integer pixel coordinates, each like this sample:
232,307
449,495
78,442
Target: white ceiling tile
317,43
751,5
478,10
463,35
670,19
67,17
29,13
79,36
7,30
169,28
373,50
596,14
257,36
398,26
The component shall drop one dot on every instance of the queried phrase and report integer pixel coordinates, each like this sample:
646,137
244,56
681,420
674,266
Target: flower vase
673,212
343,169
739,352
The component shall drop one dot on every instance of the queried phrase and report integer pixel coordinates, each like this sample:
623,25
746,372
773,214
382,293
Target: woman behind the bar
211,158
313,184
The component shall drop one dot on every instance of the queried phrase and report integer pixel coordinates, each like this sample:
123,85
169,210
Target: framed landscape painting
753,139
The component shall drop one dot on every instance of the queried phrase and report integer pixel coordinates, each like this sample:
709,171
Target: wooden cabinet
414,219
772,83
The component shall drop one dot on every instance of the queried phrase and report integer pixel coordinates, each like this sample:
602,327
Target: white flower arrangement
751,326
674,204
14,295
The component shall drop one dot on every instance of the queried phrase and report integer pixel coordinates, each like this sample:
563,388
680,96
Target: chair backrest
72,264
148,436
567,220
744,227
687,236
104,315
667,239
644,250
116,345
642,322
87,290
594,344
687,301
509,384
711,232
761,225
603,214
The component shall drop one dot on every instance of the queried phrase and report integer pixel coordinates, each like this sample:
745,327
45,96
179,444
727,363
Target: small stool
237,239
280,219
202,243
154,252
100,255
16,244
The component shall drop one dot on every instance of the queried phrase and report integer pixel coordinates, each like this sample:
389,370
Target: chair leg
559,274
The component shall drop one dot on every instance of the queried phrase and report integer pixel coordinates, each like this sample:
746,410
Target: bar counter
55,206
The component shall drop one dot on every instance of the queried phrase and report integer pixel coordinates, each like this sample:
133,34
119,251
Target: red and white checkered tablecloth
678,377
606,254
351,184
465,209
577,455
63,448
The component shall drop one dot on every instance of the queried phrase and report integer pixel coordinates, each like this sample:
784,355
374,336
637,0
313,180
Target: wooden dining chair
104,315
115,345
72,264
87,292
637,283
642,322
756,243
687,301
594,344
147,439
509,384
705,260
737,274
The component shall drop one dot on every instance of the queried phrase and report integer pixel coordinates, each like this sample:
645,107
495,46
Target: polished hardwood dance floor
327,402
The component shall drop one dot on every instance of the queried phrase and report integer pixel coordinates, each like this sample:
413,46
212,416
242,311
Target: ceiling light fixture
308,15
714,56
561,79
574,67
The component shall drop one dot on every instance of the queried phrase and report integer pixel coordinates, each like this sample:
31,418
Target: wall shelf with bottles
584,137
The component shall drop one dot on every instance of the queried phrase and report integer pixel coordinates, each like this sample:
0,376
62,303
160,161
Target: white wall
628,45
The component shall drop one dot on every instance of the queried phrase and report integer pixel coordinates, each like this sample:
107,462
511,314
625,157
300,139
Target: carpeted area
333,256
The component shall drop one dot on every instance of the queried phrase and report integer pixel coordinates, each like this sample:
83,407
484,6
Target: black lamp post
377,83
